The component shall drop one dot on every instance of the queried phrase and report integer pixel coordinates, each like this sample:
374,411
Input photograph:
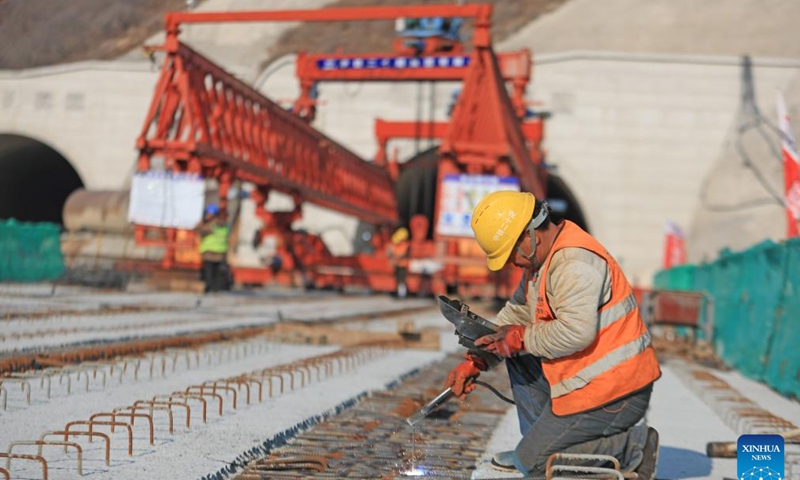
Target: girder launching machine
203,120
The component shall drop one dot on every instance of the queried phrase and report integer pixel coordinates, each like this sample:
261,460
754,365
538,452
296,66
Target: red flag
791,170
674,246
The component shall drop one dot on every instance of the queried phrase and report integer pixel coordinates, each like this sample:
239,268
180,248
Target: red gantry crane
203,120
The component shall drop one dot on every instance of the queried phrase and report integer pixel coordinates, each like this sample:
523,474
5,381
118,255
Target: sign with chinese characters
166,199
460,194
458,61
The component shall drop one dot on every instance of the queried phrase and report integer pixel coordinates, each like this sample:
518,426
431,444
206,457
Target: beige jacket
578,283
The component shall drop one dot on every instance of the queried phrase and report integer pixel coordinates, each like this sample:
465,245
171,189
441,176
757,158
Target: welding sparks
414,472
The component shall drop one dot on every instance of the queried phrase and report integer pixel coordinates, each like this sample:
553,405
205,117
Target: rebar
42,443
35,458
372,440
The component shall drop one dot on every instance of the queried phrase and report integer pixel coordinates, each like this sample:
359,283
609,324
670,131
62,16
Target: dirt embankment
376,36
45,32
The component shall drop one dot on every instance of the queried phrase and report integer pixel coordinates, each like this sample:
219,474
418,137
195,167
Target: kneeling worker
577,352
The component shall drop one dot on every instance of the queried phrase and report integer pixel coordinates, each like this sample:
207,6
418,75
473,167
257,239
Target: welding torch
469,327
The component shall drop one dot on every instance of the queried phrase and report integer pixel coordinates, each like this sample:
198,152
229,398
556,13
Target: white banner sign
460,194
160,199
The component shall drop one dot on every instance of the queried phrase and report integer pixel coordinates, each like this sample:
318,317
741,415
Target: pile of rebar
373,440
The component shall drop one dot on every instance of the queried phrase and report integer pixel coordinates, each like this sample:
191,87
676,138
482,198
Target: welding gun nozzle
430,407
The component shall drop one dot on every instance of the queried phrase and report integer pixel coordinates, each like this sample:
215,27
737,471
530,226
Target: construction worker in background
398,254
213,232
577,352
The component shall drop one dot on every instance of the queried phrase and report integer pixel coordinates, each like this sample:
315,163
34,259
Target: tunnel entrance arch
35,180
563,203
416,190
416,193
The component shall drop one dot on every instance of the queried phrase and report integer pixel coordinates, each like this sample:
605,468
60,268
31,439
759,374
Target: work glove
506,342
461,379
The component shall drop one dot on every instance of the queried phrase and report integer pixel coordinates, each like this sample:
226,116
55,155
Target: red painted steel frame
515,67
204,120
485,134
386,130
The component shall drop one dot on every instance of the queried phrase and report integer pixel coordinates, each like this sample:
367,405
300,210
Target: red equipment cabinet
203,120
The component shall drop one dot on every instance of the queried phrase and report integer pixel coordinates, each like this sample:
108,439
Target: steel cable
751,118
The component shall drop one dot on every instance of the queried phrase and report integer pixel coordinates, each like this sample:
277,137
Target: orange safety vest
400,253
619,361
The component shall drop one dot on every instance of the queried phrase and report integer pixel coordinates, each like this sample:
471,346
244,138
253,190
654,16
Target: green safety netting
703,281
756,309
783,366
30,252
677,278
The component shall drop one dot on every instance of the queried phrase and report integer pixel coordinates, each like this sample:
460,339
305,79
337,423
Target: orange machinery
203,120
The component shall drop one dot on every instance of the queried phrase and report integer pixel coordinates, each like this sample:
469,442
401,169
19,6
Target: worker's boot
647,469
504,461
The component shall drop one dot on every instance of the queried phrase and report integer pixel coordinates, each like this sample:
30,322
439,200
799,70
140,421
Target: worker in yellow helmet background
398,253
577,352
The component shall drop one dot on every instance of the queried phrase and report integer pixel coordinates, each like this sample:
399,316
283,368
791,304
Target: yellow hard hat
399,235
498,221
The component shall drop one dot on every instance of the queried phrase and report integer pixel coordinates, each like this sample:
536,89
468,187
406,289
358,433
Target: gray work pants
608,430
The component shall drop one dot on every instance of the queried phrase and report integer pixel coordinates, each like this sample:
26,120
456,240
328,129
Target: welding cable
495,391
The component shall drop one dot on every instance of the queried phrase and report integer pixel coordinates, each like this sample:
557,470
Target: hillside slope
46,32
377,36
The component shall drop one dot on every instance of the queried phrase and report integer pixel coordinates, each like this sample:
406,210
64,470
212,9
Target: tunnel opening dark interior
416,187
563,204
416,192
35,180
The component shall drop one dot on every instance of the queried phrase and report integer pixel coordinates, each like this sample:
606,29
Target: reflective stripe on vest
617,311
619,361
609,361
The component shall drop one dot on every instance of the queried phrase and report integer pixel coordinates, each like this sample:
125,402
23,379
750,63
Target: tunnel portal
35,180
416,193
416,190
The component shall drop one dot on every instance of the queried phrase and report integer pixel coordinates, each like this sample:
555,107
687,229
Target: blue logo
760,457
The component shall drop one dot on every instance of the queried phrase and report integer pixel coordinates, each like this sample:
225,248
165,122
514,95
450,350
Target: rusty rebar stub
306,462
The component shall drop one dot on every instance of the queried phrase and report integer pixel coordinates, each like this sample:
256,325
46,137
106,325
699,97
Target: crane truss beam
202,119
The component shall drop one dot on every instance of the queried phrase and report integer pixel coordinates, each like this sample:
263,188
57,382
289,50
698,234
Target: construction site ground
295,385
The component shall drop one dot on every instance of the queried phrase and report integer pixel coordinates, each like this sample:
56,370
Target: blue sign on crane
354,63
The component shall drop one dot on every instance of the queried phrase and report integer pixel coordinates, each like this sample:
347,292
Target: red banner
674,246
791,170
